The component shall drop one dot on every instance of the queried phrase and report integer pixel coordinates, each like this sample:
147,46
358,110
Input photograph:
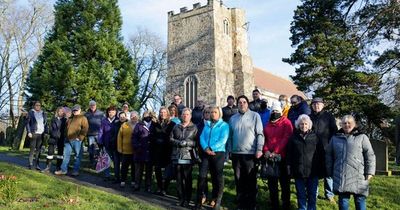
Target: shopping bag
269,169
103,161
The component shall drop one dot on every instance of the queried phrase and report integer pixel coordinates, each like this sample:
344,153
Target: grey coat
348,160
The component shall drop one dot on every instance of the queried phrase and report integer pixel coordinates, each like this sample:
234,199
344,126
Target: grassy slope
384,191
38,191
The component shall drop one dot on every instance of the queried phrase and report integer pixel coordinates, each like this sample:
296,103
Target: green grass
384,190
38,191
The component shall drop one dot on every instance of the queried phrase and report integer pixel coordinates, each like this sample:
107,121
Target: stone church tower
208,57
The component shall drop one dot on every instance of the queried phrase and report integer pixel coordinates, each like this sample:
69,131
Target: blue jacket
215,136
94,120
265,115
296,111
31,125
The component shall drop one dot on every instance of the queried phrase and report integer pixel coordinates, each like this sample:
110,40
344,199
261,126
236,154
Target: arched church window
190,91
226,27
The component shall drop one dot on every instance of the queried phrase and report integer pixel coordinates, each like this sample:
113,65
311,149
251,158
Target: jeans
245,172
359,201
91,149
75,145
307,193
35,144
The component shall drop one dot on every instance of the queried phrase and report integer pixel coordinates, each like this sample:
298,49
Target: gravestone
2,138
382,157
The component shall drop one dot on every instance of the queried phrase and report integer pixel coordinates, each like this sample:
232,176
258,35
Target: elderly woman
350,160
305,158
277,134
212,141
183,139
161,149
124,146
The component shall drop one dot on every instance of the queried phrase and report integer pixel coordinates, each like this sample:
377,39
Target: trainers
75,173
46,170
122,184
60,172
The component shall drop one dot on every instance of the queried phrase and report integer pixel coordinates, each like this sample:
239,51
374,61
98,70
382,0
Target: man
197,113
264,112
178,103
324,125
77,128
230,109
299,107
36,127
255,104
94,117
245,145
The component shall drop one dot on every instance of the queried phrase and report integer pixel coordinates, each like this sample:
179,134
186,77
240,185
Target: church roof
275,84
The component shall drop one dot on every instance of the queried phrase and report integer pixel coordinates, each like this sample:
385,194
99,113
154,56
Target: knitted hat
276,107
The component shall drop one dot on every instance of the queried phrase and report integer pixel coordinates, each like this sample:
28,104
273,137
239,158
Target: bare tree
150,55
22,29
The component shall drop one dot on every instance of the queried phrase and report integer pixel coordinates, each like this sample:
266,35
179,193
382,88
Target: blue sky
268,33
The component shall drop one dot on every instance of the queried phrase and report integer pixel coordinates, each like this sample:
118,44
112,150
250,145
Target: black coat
306,156
180,133
324,125
160,147
57,129
228,112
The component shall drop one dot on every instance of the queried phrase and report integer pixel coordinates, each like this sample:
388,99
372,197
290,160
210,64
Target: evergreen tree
328,62
84,58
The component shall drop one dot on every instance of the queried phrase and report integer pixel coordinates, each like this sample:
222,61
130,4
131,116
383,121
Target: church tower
208,56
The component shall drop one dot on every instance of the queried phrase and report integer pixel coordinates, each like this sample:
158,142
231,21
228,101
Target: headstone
382,157
2,138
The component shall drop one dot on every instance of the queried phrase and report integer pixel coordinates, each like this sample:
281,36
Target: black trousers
35,143
141,167
245,168
60,153
216,166
184,181
284,181
127,160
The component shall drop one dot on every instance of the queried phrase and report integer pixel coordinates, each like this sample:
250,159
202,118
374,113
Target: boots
48,166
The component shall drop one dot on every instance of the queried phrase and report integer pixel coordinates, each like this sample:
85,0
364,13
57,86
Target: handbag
195,156
269,169
103,161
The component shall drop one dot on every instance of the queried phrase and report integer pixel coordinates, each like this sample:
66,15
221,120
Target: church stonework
208,56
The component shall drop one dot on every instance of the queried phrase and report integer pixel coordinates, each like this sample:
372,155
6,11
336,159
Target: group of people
304,142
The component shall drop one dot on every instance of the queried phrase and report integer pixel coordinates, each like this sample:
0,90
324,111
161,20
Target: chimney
210,2
183,9
197,5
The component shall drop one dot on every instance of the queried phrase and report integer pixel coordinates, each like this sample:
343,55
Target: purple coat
141,143
106,134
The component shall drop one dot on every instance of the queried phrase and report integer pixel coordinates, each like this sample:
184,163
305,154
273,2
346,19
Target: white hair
303,118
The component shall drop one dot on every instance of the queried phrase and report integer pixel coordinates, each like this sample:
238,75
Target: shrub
8,189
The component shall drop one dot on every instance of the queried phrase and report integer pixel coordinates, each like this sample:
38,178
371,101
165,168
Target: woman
277,134
141,151
285,104
213,140
200,127
350,160
107,140
161,148
183,139
57,127
124,142
36,127
305,158
173,111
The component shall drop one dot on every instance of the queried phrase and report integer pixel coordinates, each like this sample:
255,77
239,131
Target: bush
8,189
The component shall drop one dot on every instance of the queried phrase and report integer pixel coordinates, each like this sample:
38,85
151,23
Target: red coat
277,136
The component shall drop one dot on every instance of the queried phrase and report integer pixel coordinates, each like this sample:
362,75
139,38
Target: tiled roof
275,84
